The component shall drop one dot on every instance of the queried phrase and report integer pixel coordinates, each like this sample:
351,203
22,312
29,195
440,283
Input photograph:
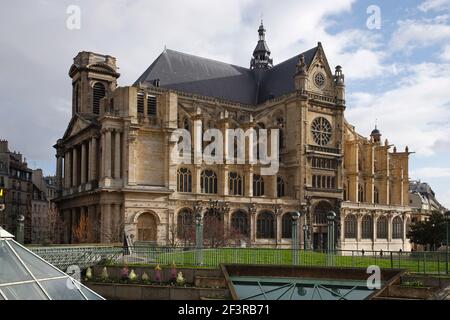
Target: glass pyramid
26,276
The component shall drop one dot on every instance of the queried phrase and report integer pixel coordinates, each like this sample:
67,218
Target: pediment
76,125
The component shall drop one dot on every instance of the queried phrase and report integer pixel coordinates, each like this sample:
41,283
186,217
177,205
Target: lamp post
20,236
447,224
295,216
331,216
198,233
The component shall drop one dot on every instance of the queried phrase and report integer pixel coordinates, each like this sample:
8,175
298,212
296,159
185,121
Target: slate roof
192,74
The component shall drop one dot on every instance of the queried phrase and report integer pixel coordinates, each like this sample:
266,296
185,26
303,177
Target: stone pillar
59,168
196,187
117,155
248,185
108,154
74,167
223,185
68,169
83,163
93,159
274,185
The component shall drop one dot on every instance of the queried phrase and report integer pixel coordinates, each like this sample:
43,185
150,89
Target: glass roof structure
269,288
26,276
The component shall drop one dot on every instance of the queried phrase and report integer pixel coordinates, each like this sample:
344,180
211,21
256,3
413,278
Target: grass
419,263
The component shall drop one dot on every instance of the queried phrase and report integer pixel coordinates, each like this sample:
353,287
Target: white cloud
414,113
430,173
434,5
412,34
445,55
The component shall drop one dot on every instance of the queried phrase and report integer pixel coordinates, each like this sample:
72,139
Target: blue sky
397,76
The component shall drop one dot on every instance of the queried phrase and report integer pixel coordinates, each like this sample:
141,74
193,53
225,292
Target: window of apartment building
208,182
323,182
184,180
258,185
151,106
2,181
235,184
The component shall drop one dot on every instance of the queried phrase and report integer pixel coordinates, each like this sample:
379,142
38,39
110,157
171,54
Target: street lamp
331,217
198,232
447,224
295,216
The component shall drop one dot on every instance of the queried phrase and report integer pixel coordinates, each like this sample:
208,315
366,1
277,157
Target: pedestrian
381,252
362,252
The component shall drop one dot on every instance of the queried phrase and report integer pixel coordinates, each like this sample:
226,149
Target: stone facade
116,174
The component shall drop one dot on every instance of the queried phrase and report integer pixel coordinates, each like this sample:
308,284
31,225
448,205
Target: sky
395,56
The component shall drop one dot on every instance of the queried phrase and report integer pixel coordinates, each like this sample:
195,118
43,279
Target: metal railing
417,262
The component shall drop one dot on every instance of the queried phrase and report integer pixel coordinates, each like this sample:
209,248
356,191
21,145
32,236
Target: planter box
115,291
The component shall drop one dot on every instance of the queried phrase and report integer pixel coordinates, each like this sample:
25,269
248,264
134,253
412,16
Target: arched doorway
147,227
320,229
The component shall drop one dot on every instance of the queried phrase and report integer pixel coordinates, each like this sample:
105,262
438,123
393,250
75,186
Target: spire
261,55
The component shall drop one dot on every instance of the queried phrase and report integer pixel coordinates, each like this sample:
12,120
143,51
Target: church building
116,176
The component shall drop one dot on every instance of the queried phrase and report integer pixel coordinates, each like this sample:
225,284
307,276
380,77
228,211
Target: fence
418,262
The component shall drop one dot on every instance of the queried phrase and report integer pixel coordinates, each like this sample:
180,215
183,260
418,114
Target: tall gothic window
376,195
265,225
140,103
151,105
77,99
280,187
361,193
258,185
208,182
239,223
184,180
235,184
185,225
367,227
382,226
286,226
350,227
98,93
320,212
397,228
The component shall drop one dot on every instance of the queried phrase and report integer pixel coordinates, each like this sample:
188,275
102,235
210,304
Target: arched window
185,226
258,185
367,227
350,227
186,124
265,225
376,196
213,227
235,184
397,228
184,180
280,187
286,226
239,223
98,93
320,212
208,182
360,193
382,226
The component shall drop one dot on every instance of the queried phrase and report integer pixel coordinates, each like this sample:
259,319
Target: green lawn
422,263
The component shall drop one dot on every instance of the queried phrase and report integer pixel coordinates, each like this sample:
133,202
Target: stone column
74,167
117,155
196,186
108,154
68,169
59,168
83,163
93,159
248,185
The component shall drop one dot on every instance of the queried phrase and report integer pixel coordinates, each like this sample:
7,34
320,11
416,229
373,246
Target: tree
431,232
